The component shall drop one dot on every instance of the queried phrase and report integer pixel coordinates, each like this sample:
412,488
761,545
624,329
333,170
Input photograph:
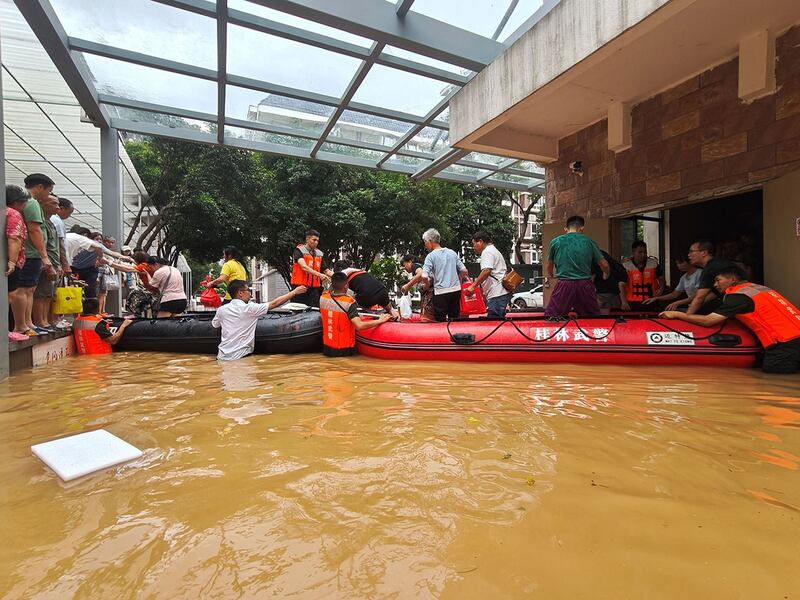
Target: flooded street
356,478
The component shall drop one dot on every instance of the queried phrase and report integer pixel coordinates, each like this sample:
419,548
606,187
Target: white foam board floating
78,455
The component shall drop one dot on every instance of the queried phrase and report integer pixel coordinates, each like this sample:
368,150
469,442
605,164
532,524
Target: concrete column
757,65
111,192
619,126
3,257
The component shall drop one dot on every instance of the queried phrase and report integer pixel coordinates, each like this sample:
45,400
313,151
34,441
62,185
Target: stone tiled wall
694,141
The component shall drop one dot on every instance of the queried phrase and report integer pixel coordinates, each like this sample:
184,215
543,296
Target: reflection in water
353,478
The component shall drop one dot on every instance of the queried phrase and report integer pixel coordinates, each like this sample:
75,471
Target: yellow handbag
68,300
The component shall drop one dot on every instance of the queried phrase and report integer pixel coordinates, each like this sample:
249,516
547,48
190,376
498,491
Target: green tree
204,196
208,197
480,208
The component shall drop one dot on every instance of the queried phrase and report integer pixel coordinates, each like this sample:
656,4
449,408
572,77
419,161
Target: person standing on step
309,269
570,260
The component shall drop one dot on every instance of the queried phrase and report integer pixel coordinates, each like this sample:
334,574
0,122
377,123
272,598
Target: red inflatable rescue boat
619,340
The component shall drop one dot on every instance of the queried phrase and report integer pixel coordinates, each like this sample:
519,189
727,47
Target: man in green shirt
37,261
43,294
572,256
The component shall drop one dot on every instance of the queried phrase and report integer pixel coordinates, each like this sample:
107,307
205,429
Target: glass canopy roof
44,133
362,82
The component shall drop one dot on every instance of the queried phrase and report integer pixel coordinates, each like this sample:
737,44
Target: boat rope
581,330
529,338
472,343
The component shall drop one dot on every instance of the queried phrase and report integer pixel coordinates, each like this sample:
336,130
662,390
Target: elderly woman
16,233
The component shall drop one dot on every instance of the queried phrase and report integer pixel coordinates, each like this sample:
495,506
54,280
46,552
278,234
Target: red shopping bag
474,304
210,298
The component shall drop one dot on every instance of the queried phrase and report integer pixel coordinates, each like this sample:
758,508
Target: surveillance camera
576,167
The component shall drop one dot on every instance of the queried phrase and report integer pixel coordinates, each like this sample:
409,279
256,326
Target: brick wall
694,141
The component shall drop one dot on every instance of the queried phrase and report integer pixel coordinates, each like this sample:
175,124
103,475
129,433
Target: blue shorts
30,272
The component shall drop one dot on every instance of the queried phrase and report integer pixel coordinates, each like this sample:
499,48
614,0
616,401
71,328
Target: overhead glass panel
145,116
286,19
489,159
507,177
524,11
351,151
272,109
360,127
398,90
269,138
136,82
462,170
288,63
481,17
425,60
142,26
431,140
529,165
409,161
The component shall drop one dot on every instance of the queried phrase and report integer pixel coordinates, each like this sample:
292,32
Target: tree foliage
208,197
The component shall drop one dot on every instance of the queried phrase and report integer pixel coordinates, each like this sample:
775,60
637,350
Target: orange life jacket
642,284
774,319
86,338
313,259
338,332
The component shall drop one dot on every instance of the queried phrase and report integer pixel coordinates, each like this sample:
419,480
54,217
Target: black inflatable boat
278,332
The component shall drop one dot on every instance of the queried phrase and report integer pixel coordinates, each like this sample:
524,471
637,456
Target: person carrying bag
68,298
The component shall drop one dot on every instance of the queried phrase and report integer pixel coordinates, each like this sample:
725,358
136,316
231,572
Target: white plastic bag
404,306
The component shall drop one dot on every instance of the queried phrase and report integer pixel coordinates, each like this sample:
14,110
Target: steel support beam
442,162
504,20
111,189
3,254
500,167
409,135
110,100
45,24
278,149
146,60
546,7
222,62
349,92
318,40
402,7
414,32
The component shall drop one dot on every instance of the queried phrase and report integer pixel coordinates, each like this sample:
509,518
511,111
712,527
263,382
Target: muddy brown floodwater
301,477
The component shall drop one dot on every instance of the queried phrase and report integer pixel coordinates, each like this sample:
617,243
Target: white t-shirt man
492,286
59,225
238,320
75,242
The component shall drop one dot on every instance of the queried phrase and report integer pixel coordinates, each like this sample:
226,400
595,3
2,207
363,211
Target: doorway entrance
733,223
647,227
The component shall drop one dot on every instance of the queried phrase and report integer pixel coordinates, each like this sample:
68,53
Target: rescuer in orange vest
309,269
774,319
92,333
340,319
645,276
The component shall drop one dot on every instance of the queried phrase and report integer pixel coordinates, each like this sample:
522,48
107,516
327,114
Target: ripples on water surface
355,478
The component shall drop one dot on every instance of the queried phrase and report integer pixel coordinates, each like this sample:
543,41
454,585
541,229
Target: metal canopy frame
385,23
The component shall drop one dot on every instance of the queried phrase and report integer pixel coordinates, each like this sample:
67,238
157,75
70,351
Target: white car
532,299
